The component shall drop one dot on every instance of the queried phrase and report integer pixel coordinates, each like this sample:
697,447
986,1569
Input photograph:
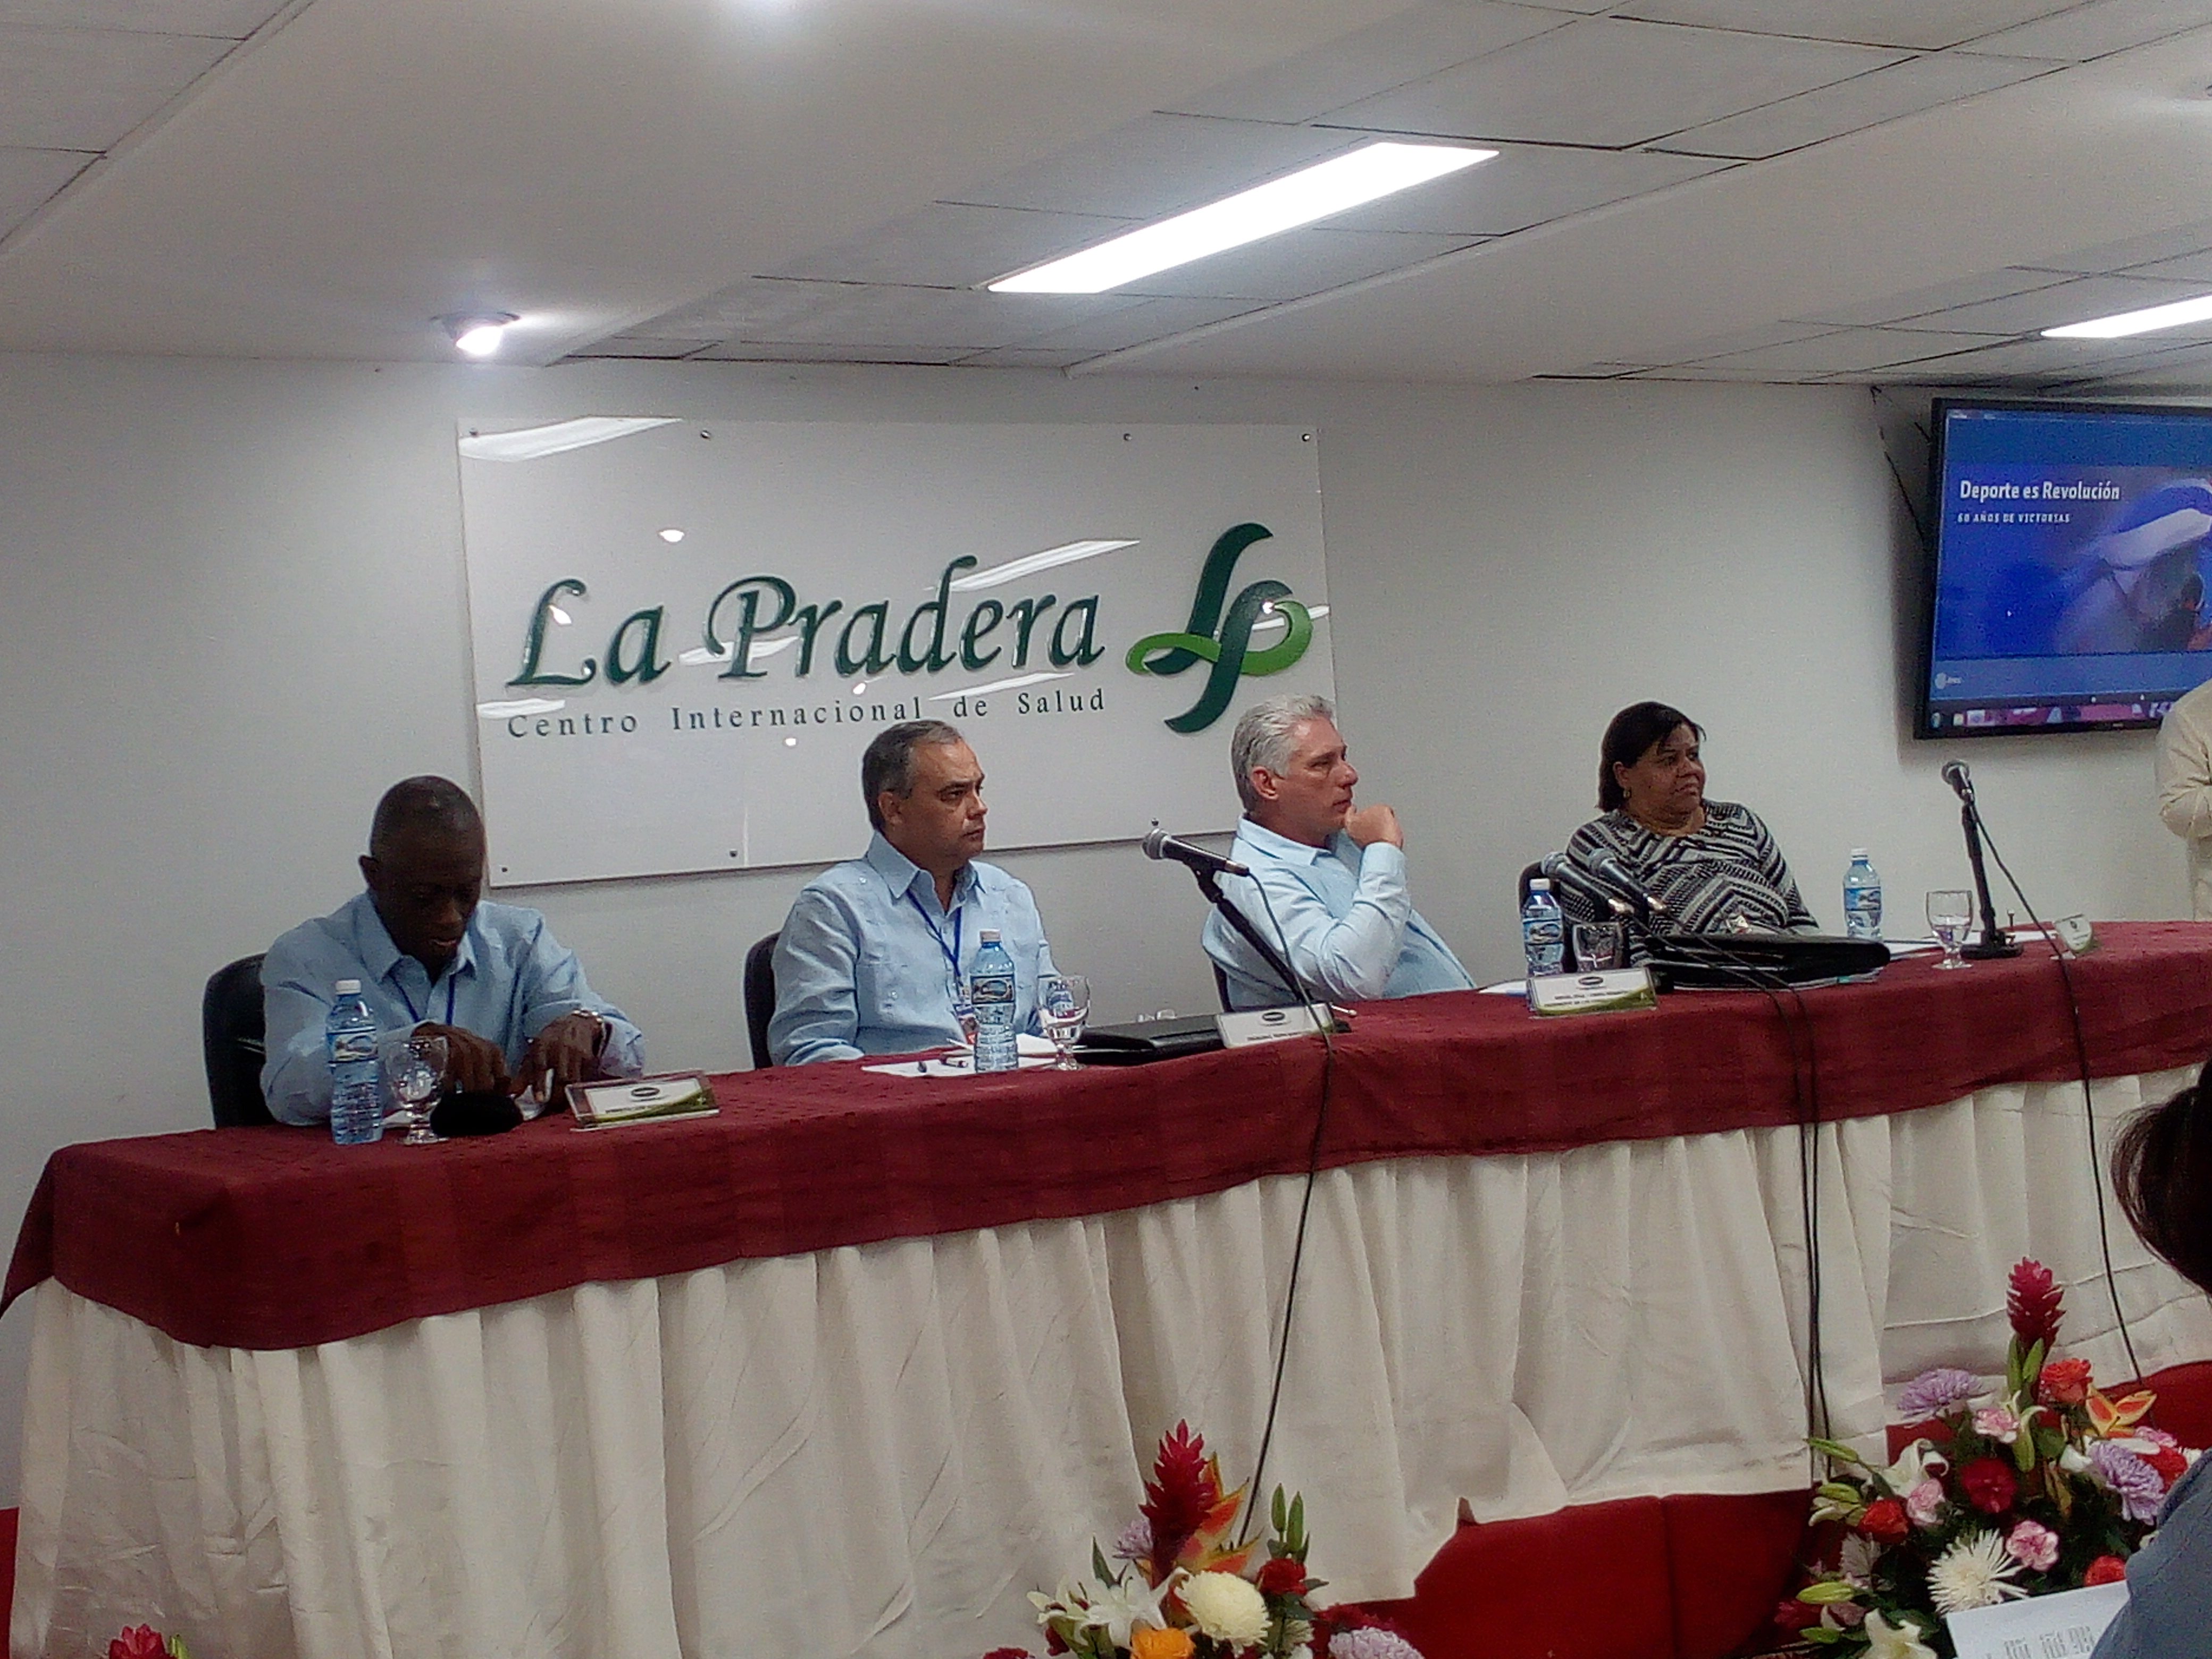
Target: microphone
1562,873
1962,781
1610,869
1161,845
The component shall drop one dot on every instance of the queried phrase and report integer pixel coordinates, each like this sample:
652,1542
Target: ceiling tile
228,19
85,88
739,352
1407,47
1924,25
1158,166
951,245
1526,185
959,320
2178,370
2070,358
1295,264
1924,301
1611,83
29,177
754,306
2100,27
1023,357
627,346
2192,268
1748,339
1846,350
2073,302
1865,100
1146,320
2135,252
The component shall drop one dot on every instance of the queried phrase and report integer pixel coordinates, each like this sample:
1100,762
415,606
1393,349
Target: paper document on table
2065,1626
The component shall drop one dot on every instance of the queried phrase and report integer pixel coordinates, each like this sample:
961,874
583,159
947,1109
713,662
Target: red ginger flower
2033,1301
138,1641
1183,1491
2104,1570
1885,1522
1989,1484
2063,1382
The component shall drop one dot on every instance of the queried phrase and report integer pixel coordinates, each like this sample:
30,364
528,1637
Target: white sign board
685,632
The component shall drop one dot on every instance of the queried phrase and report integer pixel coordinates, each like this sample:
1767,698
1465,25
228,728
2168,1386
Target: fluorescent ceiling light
1319,191
1029,563
534,442
2136,322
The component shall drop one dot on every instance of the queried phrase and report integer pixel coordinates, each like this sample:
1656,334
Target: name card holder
1241,1031
1599,993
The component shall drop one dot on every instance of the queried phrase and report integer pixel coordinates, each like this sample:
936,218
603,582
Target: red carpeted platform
1689,1577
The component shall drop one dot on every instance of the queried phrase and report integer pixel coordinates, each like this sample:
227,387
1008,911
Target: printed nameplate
659,1099
2061,1626
2075,933
1271,1025
1593,994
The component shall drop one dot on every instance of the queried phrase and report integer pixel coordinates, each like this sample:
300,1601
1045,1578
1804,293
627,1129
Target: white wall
231,613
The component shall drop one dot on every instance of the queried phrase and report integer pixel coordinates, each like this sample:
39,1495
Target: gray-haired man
873,947
1334,874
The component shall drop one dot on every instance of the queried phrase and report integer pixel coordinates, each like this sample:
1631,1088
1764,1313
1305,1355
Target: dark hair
888,764
2162,1171
431,805
1630,735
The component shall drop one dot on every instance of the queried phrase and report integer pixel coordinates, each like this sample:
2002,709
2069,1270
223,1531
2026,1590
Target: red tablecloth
276,1238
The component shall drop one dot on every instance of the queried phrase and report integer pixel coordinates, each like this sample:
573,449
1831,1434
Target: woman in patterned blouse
1713,863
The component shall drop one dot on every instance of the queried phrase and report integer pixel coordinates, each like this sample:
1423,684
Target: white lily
1129,1601
1913,1465
1884,1642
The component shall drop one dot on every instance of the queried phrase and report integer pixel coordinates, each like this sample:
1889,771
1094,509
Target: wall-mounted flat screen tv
2070,577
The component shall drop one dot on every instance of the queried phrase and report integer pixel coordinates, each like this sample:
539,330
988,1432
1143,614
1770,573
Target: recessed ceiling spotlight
1319,191
2148,320
671,535
478,332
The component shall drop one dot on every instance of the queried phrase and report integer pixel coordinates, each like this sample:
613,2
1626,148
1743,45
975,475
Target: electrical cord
2088,1097
1326,1023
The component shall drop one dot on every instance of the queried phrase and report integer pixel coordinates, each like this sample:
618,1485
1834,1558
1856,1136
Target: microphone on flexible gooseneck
1650,911
1994,941
1161,845
1562,873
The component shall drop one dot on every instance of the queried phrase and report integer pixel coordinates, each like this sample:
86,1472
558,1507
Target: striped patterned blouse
1729,867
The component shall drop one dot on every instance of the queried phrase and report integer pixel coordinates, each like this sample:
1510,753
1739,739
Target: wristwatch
599,1028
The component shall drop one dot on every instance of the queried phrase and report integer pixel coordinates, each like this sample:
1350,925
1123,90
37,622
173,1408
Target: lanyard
950,952
453,982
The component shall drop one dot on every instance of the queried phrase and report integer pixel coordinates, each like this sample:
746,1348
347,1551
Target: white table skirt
876,1450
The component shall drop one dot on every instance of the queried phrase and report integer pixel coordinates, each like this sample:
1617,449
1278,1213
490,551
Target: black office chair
760,996
1221,988
231,1033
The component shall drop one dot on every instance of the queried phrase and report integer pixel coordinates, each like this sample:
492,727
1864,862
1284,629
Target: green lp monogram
1225,642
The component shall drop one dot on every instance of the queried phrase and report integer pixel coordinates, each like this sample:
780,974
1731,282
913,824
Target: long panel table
850,1366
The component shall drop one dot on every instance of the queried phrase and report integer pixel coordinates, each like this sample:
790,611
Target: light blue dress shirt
2168,1614
509,981
1350,928
864,962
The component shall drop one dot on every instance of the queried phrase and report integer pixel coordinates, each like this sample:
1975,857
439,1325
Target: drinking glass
1597,945
1950,914
1063,1005
415,1066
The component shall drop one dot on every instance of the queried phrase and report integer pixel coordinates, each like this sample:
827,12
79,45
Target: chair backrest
1221,988
760,996
231,1032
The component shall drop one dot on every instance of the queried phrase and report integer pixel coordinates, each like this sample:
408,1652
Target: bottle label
995,989
349,1047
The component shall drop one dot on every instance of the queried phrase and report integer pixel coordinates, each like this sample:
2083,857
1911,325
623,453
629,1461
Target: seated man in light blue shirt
491,979
1333,873
874,947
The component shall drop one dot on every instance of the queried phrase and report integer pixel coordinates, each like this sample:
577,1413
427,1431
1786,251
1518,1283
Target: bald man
512,1003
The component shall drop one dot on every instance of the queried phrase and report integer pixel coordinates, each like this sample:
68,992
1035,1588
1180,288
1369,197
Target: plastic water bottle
1861,898
1543,932
356,1083
991,989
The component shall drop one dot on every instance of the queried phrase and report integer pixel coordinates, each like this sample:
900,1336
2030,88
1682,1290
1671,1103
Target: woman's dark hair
1631,735
2162,1171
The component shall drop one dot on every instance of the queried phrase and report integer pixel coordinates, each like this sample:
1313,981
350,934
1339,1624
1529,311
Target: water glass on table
1950,915
1598,946
415,1066
1063,1006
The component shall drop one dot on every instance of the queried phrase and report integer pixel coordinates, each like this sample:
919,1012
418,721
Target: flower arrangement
1185,1589
2047,1487
144,1642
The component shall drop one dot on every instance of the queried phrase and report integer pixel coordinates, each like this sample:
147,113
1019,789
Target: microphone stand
1209,883
1995,942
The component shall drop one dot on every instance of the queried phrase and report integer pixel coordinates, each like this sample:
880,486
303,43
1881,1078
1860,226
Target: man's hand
565,1052
1369,824
473,1063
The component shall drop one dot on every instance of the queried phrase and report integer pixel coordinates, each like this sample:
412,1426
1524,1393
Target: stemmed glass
1950,914
1063,1006
415,1066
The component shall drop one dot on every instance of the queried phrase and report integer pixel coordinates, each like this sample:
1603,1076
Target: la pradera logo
1225,643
